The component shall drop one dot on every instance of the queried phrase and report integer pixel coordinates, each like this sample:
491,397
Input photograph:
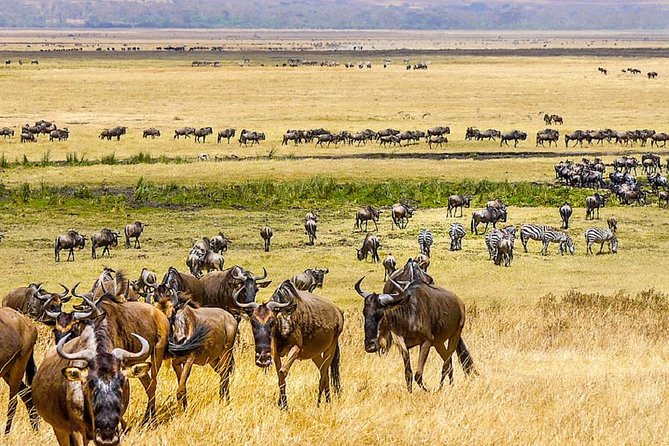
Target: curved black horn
264,275
64,293
86,355
364,294
247,306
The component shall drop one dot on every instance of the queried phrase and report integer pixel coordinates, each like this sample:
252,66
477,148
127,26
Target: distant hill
337,14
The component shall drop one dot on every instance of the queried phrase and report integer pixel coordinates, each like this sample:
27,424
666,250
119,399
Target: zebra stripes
553,236
425,241
601,236
534,232
495,236
456,232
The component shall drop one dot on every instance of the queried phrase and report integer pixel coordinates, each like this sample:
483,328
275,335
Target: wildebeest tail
31,369
189,345
335,377
466,360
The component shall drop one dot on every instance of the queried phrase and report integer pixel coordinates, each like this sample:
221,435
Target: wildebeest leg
422,359
14,380
182,395
71,253
282,371
283,400
62,437
324,380
149,384
447,367
224,369
376,226
408,373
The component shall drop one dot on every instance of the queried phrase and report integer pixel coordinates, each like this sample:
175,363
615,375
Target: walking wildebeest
418,314
488,215
219,288
594,203
298,325
457,201
70,241
183,131
134,230
104,239
366,214
370,244
227,134
515,135
202,134
565,214
18,336
389,266
401,213
152,132
310,279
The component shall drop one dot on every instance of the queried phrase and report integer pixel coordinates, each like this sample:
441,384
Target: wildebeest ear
75,374
137,370
263,284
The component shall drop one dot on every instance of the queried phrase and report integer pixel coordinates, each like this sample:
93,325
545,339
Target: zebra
562,238
565,214
534,232
601,236
425,241
457,233
493,238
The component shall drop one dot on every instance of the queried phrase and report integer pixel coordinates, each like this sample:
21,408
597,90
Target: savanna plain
569,349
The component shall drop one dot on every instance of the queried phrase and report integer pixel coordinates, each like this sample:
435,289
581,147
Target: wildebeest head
246,281
264,321
43,300
70,323
374,311
103,376
319,276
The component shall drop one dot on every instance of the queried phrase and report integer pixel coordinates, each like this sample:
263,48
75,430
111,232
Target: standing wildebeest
422,261
438,131
612,222
418,314
515,135
489,134
298,325
366,214
401,213
310,279
18,336
266,233
59,134
202,133
81,387
217,330
652,74
487,215
33,301
504,252
219,288
181,282
134,230
227,134
565,214
371,244
145,284
183,131
70,241
152,132
457,201
310,227
255,137
219,243
105,239
436,140
115,132
389,266
594,203
6,132
28,137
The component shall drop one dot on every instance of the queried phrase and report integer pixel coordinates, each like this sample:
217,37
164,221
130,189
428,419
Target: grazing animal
310,279
504,252
146,284
418,314
134,230
297,325
389,266
365,215
601,236
310,227
6,132
115,132
401,213
534,232
104,239
81,387
371,244
561,238
425,241
70,241
494,237
266,233
594,203
488,215
458,201
18,336
565,214
456,232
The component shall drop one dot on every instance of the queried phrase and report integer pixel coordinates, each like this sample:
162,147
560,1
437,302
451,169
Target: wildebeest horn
264,274
273,305
85,298
124,355
51,314
175,298
399,287
236,275
247,306
86,355
364,294
64,294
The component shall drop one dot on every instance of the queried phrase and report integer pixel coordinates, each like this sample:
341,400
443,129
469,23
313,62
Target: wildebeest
145,284
217,329
370,244
489,134
458,201
436,140
310,279
266,233
28,137
202,257
152,132
114,132
18,336
219,243
202,134
219,288
515,135
417,314
6,132
310,227
227,134
488,215
32,300
299,325
255,137
134,230
663,196
81,387
504,252
71,240
365,215
401,213
59,134
612,223
438,131
104,239
594,203
389,266
422,260
183,131
550,135
181,282
71,322
652,74
565,214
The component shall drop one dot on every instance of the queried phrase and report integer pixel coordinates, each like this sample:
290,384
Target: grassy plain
568,370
